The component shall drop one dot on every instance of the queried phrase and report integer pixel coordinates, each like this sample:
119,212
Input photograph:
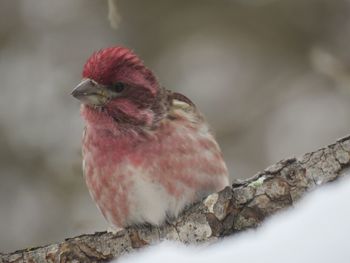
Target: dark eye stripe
117,87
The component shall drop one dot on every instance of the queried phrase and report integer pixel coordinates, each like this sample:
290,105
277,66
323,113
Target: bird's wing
178,97
183,107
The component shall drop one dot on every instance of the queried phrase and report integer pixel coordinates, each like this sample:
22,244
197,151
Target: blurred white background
272,77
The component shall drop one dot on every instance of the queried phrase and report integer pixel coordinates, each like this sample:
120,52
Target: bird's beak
90,92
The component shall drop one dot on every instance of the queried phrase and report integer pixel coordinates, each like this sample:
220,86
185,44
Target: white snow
317,230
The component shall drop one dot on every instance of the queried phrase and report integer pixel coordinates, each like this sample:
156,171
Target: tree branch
244,205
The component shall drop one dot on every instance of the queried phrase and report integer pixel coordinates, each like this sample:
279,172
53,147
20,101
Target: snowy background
271,76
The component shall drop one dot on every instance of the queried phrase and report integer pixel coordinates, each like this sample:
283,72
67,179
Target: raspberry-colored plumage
147,152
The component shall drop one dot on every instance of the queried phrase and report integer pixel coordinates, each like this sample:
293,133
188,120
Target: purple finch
147,151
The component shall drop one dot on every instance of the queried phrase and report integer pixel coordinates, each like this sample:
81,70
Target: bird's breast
105,159
143,179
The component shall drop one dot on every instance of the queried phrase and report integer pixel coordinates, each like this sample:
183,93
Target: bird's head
117,85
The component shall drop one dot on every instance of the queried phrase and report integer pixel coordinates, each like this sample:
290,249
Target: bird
147,151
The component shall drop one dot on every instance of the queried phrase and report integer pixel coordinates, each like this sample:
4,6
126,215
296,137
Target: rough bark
244,205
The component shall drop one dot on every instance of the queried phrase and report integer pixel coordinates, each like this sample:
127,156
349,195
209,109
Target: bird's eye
117,87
